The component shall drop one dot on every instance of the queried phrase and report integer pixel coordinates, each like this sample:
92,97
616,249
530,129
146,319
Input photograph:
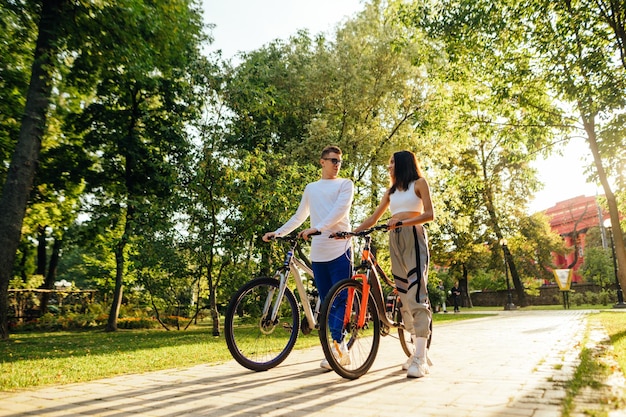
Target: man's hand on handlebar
309,232
268,236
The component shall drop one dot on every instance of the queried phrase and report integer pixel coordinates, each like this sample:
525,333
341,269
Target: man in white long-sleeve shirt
327,202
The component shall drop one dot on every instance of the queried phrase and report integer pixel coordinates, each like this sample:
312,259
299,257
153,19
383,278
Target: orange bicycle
355,314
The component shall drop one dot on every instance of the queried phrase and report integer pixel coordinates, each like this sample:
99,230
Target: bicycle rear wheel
255,341
339,323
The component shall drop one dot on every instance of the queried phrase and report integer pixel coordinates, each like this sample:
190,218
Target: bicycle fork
367,288
284,275
269,319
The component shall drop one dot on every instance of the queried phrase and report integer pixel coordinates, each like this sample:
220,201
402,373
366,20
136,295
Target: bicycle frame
371,283
293,265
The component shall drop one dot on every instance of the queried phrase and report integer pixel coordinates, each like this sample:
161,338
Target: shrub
577,299
174,320
137,323
605,297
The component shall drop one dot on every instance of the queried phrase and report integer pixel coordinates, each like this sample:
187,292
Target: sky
246,25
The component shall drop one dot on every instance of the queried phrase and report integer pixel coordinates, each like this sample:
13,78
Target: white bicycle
263,317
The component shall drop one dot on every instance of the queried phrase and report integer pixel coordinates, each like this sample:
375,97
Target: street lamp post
509,305
620,296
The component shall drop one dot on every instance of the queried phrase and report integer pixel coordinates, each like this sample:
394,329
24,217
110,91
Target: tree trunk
618,236
41,250
517,283
466,300
19,179
116,302
215,315
48,283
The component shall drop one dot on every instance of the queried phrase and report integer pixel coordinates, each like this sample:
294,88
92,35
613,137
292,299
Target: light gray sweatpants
408,247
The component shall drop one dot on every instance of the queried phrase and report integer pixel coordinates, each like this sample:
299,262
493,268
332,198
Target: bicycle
262,320
366,316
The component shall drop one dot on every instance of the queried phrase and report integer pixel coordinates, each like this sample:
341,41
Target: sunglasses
335,161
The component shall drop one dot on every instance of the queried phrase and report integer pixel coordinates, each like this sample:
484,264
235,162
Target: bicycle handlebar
293,236
363,232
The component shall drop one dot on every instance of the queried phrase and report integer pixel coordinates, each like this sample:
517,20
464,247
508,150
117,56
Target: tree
576,44
503,115
365,90
87,45
53,15
534,247
135,128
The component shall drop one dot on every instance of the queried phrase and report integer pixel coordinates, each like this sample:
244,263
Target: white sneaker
341,354
418,368
407,364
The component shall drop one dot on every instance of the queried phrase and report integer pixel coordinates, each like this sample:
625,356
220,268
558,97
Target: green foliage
32,281
535,246
17,37
487,280
185,210
436,296
598,267
603,298
137,323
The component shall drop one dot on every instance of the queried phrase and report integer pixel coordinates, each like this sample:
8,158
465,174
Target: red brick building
572,219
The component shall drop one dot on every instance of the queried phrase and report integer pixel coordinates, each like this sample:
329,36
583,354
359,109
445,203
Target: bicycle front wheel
255,340
350,348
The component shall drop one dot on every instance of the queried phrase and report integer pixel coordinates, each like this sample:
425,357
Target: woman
408,200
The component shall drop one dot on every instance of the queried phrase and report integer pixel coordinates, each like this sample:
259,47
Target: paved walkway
512,364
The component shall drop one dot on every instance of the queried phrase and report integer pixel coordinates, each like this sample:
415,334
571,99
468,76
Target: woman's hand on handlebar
340,235
389,226
393,224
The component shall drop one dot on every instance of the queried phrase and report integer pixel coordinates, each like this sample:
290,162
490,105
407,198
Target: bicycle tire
253,342
362,342
404,334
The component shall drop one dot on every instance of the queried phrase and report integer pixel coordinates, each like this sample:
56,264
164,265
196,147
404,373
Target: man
456,296
327,202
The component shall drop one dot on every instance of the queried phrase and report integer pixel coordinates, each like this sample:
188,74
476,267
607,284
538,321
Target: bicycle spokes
349,318
255,340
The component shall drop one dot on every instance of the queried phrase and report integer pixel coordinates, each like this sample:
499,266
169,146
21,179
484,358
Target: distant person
442,288
456,296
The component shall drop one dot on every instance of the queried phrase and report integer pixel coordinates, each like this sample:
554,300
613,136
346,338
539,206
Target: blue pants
327,274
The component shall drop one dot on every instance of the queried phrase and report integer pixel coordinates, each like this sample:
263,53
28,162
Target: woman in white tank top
408,200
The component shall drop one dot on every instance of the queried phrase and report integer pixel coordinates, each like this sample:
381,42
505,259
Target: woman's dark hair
406,170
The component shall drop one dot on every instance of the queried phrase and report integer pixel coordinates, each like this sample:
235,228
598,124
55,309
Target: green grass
38,359
442,317
593,370
614,323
